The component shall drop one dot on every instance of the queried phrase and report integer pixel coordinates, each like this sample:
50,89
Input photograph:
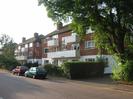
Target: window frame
91,45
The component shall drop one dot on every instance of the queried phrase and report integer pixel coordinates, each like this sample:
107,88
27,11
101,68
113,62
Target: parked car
36,72
19,70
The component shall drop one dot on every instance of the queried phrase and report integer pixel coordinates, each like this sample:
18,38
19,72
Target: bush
53,70
75,70
8,62
124,71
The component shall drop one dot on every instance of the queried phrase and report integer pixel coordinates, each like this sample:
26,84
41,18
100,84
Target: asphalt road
14,87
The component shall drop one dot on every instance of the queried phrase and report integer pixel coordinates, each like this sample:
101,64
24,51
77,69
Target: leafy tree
7,59
112,21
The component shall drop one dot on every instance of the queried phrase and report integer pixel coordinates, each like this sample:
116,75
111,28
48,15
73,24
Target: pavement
18,87
106,83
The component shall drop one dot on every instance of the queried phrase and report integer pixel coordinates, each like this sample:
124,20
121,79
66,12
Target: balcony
21,57
53,42
63,54
69,39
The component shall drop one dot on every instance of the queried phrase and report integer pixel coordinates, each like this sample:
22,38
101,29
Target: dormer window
89,31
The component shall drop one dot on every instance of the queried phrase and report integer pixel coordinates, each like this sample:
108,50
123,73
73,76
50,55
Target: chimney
23,39
36,35
59,25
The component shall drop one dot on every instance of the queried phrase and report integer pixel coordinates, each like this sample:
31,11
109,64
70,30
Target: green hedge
76,70
53,70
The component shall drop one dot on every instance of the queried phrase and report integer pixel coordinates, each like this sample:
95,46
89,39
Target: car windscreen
40,69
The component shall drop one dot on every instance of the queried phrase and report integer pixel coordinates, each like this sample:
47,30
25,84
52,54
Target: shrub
124,71
8,62
53,70
75,70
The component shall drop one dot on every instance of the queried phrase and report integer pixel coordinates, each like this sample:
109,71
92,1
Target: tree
8,45
112,21
7,59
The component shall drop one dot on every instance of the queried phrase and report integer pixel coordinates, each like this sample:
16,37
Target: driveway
15,87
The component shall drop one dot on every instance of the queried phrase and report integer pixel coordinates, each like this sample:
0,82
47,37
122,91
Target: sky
22,18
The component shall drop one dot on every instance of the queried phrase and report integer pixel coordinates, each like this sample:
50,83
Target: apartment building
60,46
64,45
30,50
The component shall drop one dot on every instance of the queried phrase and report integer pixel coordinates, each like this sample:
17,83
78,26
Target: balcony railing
69,39
21,57
53,42
63,54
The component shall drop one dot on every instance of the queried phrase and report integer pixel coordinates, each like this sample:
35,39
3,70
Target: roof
62,30
30,40
65,28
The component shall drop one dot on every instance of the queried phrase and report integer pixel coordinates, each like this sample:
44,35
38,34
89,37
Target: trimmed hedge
76,70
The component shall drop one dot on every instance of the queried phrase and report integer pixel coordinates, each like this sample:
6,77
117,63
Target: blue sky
21,18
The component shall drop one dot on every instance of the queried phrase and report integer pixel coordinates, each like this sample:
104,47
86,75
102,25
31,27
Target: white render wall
35,60
49,59
62,54
69,39
111,62
107,70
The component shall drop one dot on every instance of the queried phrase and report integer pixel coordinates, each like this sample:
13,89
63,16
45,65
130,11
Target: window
55,36
33,69
73,33
89,44
26,46
75,46
45,50
90,59
19,47
31,45
63,40
46,61
22,49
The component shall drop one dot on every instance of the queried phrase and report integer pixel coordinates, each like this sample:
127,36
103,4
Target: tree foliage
8,46
111,20
7,59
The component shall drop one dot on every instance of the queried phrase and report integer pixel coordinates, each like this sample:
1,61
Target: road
14,87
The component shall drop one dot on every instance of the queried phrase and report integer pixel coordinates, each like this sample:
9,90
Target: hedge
53,70
76,70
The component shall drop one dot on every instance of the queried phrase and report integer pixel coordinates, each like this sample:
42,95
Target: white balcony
53,42
21,57
63,54
69,39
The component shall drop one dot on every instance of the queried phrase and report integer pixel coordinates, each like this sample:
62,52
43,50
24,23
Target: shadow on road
11,86
101,80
